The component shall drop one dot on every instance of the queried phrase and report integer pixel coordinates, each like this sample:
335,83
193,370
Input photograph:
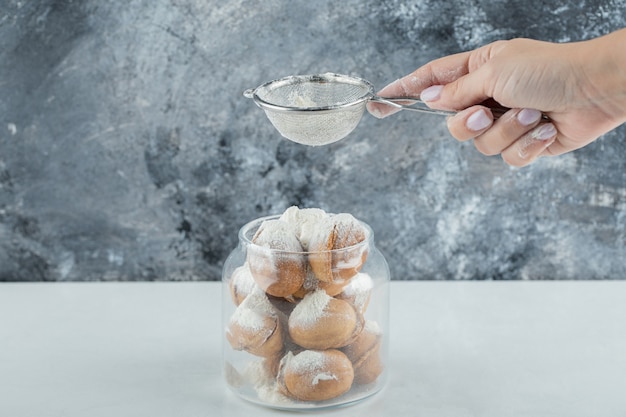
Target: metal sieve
322,108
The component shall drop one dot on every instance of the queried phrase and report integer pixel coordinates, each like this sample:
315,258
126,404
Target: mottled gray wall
127,151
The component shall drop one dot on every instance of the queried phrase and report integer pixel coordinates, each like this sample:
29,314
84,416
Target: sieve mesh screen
314,109
313,92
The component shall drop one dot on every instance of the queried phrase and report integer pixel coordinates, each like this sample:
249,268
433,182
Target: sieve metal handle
415,104
410,103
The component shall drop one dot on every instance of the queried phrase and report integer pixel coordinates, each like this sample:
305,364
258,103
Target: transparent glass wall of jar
305,329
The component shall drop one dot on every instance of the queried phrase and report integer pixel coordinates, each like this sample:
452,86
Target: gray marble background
127,151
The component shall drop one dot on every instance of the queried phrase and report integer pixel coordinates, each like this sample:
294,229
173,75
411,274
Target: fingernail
478,121
375,111
544,132
382,111
525,145
431,93
528,116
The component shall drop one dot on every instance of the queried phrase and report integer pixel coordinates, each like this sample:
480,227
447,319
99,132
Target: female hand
581,87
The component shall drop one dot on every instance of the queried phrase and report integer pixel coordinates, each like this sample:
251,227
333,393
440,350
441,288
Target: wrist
604,66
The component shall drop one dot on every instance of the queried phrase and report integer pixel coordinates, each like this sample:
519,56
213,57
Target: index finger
438,72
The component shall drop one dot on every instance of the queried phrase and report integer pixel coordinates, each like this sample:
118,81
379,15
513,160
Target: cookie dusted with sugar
241,284
304,221
314,375
358,291
364,352
309,293
256,327
276,260
323,322
338,248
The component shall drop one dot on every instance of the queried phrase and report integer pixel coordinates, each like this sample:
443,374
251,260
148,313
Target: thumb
466,91
407,86
438,72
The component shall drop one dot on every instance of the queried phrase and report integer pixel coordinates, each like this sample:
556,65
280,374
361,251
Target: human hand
581,87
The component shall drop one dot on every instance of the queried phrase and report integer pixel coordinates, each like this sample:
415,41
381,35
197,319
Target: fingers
461,93
458,82
508,128
470,123
440,71
530,146
517,135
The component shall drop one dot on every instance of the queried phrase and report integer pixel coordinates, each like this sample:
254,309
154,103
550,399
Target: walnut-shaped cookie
313,375
241,284
337,248
364,352
276,260
323,322
303,220
358,291
256,326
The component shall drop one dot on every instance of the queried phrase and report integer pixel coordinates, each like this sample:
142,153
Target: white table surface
457,349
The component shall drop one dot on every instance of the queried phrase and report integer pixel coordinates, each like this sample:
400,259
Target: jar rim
253,225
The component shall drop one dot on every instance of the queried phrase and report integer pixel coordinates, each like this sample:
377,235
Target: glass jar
308,328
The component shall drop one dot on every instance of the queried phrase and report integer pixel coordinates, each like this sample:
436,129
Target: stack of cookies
301,304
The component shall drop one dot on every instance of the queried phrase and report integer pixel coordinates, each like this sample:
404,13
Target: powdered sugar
243,282
271,394
348,228
308,361
309,230
312,363
317,234
359,288
297,99
324,376
248,319
257,374
308,312
278,235
338,231
253,312
304,221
